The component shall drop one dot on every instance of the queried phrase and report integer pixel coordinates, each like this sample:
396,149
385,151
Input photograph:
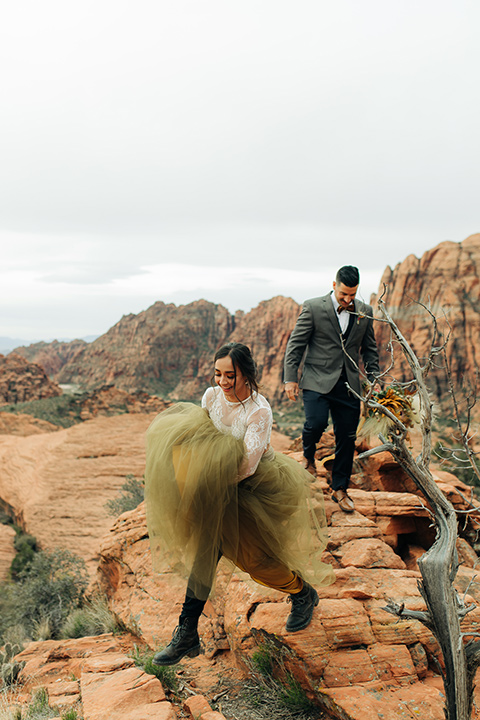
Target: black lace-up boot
302,608
184,642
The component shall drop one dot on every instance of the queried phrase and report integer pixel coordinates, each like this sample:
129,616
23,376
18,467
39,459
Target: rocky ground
355,659
58,483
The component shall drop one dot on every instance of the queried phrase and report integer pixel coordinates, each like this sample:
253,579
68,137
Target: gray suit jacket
318,332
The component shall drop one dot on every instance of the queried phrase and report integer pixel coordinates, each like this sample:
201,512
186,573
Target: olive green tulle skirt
197,510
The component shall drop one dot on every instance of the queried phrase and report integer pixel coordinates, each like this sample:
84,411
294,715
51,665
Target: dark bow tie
350,308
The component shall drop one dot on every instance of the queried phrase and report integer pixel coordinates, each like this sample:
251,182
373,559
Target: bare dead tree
465,455
445,609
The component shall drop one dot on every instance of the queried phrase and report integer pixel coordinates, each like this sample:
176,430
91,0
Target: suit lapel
332,316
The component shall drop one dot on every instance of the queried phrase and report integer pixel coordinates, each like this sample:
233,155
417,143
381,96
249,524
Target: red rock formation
96,675
266,330
153,351
22,381
107,401
52,356
169,350
110,400
446,280
97,678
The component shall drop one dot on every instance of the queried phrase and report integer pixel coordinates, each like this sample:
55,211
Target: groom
334,330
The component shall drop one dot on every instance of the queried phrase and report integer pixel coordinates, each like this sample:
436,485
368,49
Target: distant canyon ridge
168,350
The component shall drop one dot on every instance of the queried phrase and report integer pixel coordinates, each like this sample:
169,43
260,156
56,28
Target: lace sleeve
257,440
207,399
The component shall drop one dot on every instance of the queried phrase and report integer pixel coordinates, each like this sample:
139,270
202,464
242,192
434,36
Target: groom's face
345,295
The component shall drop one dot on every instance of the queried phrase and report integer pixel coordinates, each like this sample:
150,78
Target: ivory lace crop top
251,420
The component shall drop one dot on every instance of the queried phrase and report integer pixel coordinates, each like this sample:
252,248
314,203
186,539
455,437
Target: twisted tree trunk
445,609
439,565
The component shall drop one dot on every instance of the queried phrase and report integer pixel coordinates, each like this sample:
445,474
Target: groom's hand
291,388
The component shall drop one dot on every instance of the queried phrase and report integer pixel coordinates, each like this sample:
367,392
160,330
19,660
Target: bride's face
231,382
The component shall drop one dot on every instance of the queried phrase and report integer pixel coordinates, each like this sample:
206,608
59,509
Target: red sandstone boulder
22,381
110,400
94,674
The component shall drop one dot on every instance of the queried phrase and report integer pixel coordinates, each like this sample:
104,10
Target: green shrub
275,687
16,635
25,546
93,618
63,410
9,667
262,661
43,629
166,674
39,708
46,592
70,715
294,697
131,497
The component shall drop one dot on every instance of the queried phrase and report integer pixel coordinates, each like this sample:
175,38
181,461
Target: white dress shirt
343,317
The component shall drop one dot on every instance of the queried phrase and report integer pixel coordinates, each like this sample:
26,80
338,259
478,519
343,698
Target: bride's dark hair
242,360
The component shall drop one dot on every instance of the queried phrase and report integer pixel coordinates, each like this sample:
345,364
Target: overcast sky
174,150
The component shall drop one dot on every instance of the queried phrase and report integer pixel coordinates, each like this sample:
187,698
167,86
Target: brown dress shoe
310,466
344,501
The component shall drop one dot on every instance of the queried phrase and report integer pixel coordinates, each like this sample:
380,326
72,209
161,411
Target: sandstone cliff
265,329
52,356
156,350
22,381
446,279
168,350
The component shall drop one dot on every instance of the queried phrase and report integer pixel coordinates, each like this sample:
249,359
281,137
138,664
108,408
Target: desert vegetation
45,598
130,497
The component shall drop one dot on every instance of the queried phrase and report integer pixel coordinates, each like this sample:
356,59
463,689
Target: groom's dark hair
348,275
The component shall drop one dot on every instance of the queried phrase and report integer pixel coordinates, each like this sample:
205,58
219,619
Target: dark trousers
345,411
